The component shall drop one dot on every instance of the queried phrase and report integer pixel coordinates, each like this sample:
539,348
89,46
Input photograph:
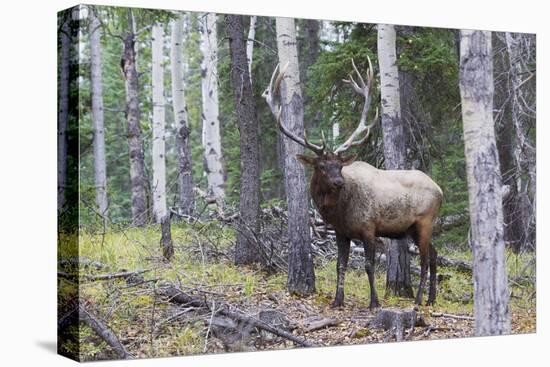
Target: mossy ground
203,261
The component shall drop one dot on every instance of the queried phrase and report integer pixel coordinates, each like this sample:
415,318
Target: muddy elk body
362,202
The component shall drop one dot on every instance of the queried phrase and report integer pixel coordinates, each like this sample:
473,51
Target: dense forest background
428,61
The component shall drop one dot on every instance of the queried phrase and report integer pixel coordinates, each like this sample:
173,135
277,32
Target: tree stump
166,237
396,321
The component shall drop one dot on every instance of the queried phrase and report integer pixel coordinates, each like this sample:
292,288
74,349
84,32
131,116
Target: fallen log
321,324
177,296
121,274
69,318
103,332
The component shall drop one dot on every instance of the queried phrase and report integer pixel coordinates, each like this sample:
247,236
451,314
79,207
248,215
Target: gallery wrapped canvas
245,183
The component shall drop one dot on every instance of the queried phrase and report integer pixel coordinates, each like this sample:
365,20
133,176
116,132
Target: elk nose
339,182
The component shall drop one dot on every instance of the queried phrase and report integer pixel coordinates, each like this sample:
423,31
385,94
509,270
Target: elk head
327,164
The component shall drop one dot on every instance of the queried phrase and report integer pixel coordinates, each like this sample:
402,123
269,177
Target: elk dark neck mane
325,198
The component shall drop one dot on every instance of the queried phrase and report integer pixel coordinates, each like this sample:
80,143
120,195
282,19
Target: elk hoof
374,304
430,302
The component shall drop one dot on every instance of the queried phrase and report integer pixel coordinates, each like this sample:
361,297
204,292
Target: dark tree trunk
505,144
415,120
185,169
312,33
63,110
521,89
245,249
135,143
309,50
166,237
398,276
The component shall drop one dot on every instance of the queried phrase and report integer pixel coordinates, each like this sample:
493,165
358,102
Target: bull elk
362,202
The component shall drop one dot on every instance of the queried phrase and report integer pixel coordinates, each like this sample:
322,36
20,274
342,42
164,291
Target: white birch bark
63,112
211,137
484,184
100,167
159,151
250,44
185,172
335,133
394,148
301,276
398,277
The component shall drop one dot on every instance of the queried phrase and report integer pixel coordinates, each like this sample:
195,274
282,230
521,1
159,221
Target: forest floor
149,325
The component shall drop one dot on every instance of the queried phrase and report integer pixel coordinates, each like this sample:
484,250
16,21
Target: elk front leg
369,244
343,244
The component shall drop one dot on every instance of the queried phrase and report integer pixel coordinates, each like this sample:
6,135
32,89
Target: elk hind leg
424,233
369,244
433,275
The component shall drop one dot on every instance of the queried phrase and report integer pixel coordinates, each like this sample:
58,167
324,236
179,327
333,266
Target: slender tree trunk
416,122
100,167
312,36
398,276
159,122
504,130
250,44
524,153
186,200
211,138
63,111
310,52
135,143
246,251
301,276
484,185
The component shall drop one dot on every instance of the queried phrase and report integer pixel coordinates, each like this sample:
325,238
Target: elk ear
305,160
348,160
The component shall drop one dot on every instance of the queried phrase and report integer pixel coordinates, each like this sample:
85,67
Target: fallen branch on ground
450,316
177,296
457,264
103,332
431,328
82,261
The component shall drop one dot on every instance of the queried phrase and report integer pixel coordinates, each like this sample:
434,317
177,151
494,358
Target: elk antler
272,97
364,89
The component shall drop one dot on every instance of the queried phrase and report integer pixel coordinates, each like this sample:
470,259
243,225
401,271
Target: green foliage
431,54
335,100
